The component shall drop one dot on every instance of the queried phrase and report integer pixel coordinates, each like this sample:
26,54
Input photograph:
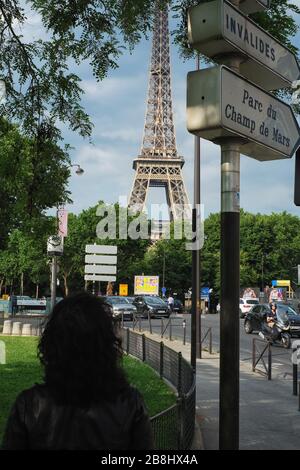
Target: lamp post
55,248
79,170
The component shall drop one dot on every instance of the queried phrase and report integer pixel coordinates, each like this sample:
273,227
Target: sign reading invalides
218,28
221,103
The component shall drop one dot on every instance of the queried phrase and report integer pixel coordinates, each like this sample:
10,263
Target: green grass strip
22,370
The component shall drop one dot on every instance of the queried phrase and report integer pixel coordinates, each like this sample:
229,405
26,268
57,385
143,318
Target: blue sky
117,107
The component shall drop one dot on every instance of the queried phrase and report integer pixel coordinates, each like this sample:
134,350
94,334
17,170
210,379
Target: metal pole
53,281
262,273
164,267
196,284
230,285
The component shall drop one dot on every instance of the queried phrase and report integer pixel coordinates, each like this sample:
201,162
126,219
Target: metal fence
173,428
258,357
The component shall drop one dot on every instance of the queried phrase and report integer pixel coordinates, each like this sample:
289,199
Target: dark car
177,307
256,316
151,305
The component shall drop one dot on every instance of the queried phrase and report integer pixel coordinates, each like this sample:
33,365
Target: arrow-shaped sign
252,6
217,29
99,259
221,103
99,269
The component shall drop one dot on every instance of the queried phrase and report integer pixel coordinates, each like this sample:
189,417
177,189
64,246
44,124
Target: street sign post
297,179
101,263
242,118
221,103
218,28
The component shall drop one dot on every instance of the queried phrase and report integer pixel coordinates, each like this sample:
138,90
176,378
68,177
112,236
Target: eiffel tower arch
159,164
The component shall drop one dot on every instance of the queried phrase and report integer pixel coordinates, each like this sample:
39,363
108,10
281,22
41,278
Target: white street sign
2,92
96,269
220,103
217,29
95,278
100,259
252,6
101,249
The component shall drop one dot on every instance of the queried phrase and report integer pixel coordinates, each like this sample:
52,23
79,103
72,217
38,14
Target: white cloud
111,87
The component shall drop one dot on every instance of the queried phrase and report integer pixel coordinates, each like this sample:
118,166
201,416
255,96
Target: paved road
281,358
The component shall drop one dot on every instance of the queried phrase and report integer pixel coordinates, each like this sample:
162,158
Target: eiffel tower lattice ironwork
159,164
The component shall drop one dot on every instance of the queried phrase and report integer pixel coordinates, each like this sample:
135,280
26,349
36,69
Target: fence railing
173,428
207,336
258,356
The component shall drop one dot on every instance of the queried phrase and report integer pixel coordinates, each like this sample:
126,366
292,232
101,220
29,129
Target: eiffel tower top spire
159,134
159,164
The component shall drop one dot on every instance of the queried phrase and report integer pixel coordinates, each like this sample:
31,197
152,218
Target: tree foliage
42,87
29,184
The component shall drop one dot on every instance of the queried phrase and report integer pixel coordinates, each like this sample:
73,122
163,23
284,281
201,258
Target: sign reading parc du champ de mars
222,103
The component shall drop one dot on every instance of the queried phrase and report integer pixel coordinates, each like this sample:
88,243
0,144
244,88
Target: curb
198,443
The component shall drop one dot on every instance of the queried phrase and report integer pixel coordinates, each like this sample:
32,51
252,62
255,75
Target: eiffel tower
159,164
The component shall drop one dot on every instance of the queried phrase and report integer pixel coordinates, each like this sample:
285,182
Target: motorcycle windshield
282,317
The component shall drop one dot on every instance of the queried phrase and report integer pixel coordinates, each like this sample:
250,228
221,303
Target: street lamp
55,248
79,170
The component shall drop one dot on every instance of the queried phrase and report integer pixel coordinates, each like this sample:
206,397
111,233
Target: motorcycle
280,331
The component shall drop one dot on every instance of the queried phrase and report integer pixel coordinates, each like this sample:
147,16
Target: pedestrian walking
171,303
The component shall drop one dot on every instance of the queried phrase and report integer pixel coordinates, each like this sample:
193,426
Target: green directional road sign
221,103
218,28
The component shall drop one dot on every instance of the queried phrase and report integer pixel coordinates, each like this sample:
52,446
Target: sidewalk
269,416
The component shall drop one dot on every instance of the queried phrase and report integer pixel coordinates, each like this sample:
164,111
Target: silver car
121,307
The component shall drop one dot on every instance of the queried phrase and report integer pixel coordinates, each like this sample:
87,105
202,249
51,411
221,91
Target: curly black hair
81,352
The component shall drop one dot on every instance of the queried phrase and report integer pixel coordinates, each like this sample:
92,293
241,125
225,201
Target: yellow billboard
146,285
123,289
283,283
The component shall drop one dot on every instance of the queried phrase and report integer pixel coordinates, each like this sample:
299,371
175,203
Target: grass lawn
22,370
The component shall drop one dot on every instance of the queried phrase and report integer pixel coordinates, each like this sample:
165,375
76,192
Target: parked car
178,307
153,305
255,318
246,305
120,306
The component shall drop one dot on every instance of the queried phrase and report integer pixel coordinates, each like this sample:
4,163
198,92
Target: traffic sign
252,6
100,269
221,103
218,28
123,290
95,278
100,259
101,249
297,179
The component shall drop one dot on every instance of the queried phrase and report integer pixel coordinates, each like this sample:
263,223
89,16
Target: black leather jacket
36,422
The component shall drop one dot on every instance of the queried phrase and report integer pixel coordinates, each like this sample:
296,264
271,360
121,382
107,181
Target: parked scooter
280,331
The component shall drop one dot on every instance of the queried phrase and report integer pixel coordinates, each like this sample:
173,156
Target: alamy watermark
125,223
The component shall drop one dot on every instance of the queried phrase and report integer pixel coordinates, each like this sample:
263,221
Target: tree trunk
22,284
66,284
1,285
37,291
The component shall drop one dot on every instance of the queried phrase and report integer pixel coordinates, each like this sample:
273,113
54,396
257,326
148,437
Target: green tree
28,186
43,91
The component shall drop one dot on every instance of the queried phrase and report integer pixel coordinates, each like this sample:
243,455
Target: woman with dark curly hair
85,402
